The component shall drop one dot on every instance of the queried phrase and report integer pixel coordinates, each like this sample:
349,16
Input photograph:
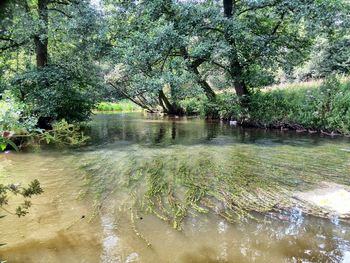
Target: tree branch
257,7
279,23
60,11
14,45
213,29
67,2
4,38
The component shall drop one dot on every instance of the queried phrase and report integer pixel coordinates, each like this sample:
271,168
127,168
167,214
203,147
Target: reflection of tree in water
173,130
213,130
159,137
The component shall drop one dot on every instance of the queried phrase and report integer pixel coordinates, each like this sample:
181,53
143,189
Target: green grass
123,105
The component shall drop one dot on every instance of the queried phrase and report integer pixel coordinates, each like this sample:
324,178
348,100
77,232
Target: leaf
13,145
3,146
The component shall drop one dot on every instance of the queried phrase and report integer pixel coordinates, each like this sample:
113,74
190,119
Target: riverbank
324,108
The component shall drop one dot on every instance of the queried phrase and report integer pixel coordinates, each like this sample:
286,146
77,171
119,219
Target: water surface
152,189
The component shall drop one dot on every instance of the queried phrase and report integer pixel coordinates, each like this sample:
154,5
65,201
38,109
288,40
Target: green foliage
4,143
224,106
325,107
15,116
118,106
64,134
56,93
334,57
185,43
166,54
192,106
34,188
66,85
17,125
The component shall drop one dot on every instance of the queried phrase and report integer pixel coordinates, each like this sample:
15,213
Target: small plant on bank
19,127
64,134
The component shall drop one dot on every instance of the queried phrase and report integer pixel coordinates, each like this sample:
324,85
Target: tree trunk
168,107
228,7
165,103
41,39
236,69
193,66
236,72
205,86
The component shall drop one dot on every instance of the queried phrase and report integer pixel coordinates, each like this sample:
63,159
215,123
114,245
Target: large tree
245,42
50,50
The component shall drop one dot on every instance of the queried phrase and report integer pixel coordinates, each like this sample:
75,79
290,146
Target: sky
95,2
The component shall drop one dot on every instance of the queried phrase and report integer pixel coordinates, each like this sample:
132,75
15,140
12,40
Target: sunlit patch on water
330,196
222,227
110,241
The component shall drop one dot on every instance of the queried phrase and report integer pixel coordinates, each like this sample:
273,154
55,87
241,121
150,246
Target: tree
64,35
152,50
246,44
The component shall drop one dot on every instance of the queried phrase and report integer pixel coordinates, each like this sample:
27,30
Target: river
153,189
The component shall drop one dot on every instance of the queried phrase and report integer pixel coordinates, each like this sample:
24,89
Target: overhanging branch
60,11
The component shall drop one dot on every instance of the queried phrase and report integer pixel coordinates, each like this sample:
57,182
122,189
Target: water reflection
154,130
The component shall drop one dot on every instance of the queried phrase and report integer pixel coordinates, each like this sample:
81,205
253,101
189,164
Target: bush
191,106
15,116
64,134
55,93
324,107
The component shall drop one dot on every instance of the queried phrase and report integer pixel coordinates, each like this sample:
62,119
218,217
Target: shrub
15,116
324,107
55,93
191,106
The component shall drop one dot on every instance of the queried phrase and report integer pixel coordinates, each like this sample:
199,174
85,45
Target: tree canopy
62,56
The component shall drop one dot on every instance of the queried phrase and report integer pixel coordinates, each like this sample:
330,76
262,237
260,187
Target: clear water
151,189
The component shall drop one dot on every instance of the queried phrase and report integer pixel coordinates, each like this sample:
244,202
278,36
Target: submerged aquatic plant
232,182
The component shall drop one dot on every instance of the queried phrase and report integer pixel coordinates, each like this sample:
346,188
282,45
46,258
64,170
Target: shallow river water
151,189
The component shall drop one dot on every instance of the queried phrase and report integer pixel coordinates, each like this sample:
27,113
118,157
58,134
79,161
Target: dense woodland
60,58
